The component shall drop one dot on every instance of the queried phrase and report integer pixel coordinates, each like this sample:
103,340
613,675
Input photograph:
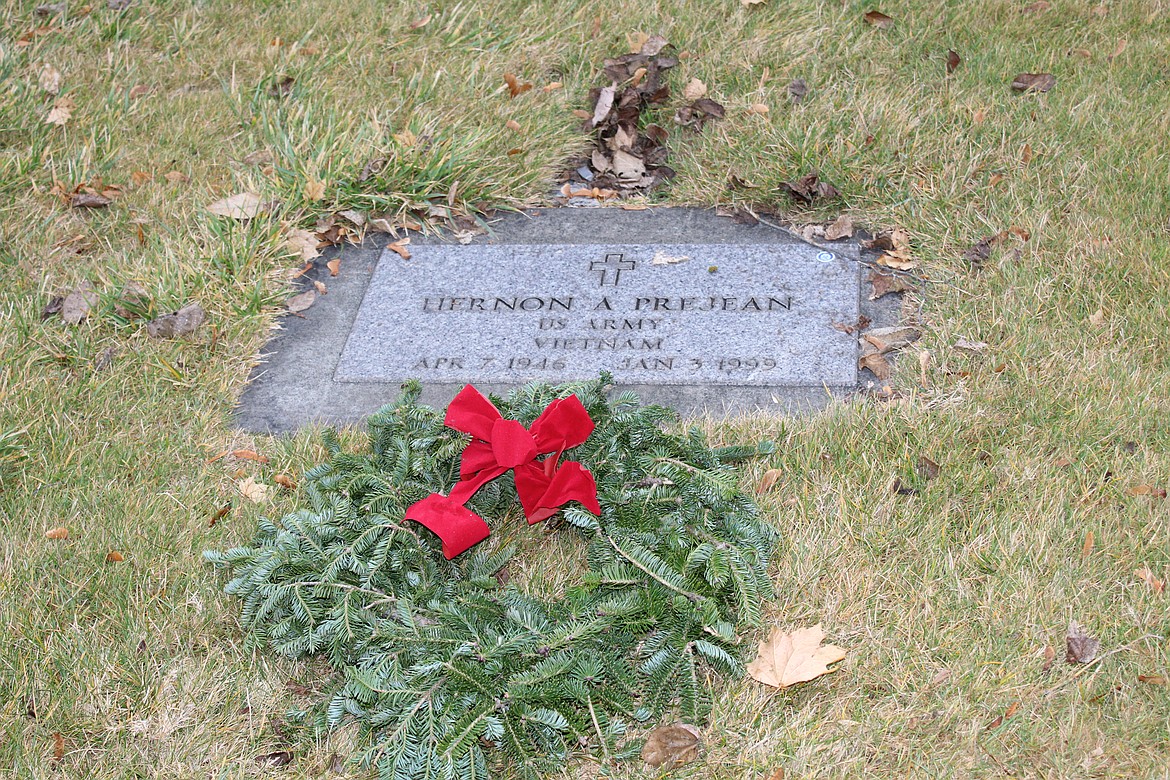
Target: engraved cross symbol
614,263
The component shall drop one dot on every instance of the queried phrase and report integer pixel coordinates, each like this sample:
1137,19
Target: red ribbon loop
498,445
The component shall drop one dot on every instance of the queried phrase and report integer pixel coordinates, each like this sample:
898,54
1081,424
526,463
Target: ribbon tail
466,488
456,526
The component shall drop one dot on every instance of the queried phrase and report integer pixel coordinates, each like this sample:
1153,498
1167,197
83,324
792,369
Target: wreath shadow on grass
451,674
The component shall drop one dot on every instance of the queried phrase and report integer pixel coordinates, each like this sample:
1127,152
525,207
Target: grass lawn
946,599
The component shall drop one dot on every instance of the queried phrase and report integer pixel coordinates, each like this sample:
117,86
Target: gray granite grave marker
683,307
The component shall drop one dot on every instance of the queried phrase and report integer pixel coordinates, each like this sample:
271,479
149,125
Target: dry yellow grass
945,599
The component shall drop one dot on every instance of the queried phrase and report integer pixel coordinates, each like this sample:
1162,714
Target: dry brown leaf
320,287
841,227
514,126
768,481
758,109
953,60
1145,575
181,323
399,248
113,556
140,90
176,177
78,304
334,266
58,746
61,112
299,241
301,301
790,658
244,205
797,89
252,490
671,745
1026,156
604,105
249,455
1033,82
1087,547
89,200
927,468
258,157
515,87
57,533
694,90
875,362
969,346
884,284
1151,679
49,79
552,85
315,189
219,514
1038,7
892,338
1117,50
421,22
285,481
1097,318
1146,490
1049,658
879,20
1081,648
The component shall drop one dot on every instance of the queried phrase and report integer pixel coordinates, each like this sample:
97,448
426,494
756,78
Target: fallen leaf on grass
1011,710
1097,318
1033,82
768,481
77,305
797,89
275,759
58,746
1151,679
1146,490
603,105
809,188
57,533
314,189
1082,648
876,362
1049,658
1145,575
886,283
953,60
113,556
244,205
88,200
181,323
133,302
61,112
281,86
301,301
927,468
219,514
696,115
1087,547
514,126
790,658
1037,7
515,86
285,481
671,745
879,20
49,79
252,490
758,109
694,90
249,455
969,346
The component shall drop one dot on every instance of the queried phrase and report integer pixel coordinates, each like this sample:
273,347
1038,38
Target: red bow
498,445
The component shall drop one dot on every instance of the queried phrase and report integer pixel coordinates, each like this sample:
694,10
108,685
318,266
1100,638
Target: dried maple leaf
252,490
1145,575
244,205
61,112
302,242
841,227
879,20
314,189
671,745
790,658
874,361
1081,648
1033,82
809,188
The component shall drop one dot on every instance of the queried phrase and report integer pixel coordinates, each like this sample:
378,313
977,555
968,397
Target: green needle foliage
453,675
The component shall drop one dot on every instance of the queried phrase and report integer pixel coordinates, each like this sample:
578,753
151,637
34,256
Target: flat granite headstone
686,308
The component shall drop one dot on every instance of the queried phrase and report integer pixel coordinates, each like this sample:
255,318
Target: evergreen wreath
452,674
